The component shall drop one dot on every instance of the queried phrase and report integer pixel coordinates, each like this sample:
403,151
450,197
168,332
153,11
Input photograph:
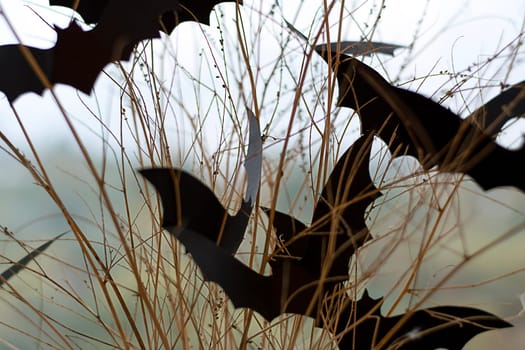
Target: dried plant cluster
194,287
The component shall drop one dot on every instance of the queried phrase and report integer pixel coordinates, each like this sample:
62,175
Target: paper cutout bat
80,56
339,215
349,180
294,280
295,275
197,10
415,125
341,210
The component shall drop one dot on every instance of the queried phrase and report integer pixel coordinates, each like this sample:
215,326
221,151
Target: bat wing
415,125
381,106
287,228
79,56
90,10
185,10
443,327
447,327
297,267
245,287
188,203
236,225
190,10
268,295
18,76
341,208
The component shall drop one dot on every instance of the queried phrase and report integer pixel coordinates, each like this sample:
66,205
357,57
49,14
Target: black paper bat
339,215
197,10
292,287
415,125
295,275
341,210
80,56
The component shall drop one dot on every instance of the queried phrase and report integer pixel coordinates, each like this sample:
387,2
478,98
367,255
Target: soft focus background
458,52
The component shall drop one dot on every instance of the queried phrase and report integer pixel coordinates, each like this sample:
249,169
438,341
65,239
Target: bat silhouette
297,283
80,56
294,282
197,10
342,208
415,125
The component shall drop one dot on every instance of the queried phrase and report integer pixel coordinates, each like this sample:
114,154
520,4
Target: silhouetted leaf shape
22,263
494,114
415,125
355,48
80,56
189,205
442,327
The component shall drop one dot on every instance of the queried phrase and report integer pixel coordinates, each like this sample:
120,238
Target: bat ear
492,116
